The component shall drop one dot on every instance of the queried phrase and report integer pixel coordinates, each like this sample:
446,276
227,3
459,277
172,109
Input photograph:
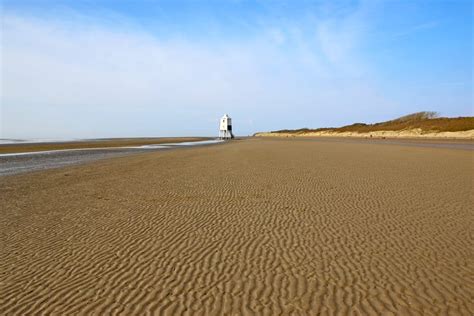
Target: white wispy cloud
80,77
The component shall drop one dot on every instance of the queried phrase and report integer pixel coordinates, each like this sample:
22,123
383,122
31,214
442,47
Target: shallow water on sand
14,163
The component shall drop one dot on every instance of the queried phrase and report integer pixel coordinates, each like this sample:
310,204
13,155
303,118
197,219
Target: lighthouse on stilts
225,128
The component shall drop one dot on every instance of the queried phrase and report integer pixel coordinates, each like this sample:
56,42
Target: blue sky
80,69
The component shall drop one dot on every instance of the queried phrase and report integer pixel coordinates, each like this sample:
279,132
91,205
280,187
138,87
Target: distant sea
35,140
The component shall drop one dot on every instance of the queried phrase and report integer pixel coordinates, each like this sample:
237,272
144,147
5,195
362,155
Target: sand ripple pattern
255,227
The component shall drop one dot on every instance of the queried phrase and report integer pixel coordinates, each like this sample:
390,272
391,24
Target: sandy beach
259,226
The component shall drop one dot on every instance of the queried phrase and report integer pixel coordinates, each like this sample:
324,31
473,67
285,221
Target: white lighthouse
225,128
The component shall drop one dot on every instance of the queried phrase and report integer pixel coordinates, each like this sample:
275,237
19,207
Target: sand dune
420,125
261,226
407,134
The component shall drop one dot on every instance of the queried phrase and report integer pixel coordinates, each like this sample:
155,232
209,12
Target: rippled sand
258,226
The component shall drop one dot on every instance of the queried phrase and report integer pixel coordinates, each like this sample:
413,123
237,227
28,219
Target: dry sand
260,226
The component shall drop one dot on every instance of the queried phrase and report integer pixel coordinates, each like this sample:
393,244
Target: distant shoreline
22,162
21,147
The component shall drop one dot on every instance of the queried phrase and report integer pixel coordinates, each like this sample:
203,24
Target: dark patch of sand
93,143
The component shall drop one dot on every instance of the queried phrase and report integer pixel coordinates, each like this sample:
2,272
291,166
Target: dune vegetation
424,121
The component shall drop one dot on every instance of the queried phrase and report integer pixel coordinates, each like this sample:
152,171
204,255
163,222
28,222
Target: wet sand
256,226
20,147
21,162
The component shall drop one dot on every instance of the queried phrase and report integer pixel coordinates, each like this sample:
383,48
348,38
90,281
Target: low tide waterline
153,146
21,162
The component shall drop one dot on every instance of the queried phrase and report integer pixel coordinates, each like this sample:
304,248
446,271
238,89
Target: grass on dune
426,121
